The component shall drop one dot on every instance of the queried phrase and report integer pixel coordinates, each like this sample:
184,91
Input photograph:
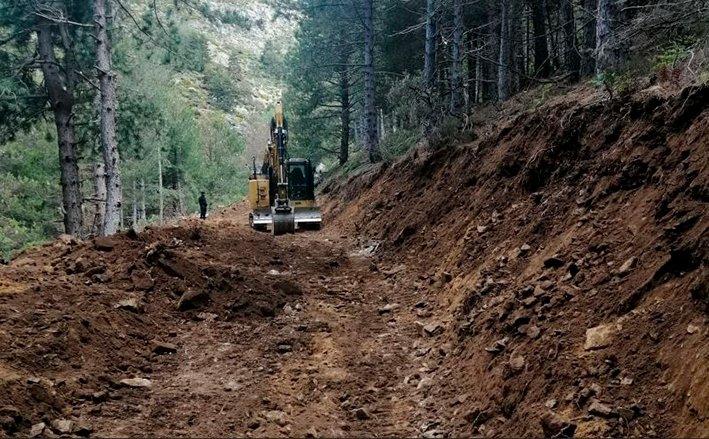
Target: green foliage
399,143
229,16
221,87
614,83
29,194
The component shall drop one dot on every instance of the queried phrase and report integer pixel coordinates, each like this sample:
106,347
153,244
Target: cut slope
583,214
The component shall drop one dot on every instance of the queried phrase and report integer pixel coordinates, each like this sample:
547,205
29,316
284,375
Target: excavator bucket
283,222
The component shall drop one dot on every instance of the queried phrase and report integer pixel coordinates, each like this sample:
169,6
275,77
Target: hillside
566,255
547,279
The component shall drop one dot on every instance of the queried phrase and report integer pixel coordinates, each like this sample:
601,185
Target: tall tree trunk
134,217
61,97
180,200
517,61
370,114
109,143
429,69
610,52
142,215
457,101
503,66
572,56
99,197
161,195
471,62
344,108
542,65
588,62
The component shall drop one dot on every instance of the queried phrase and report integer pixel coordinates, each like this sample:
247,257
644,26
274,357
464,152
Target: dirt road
305,336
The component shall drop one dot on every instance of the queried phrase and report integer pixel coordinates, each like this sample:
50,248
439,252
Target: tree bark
572,56
344,109
429,70
457,101
370,114
100,198
111,157
503,66
588,61
61,97
609,51
542,66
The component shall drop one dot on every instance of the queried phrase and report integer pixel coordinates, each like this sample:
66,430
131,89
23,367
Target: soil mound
79,318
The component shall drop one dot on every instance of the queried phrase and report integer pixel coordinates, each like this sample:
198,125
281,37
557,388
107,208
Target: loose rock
283,348
62,426
433,329
162,348
533,332
498,346
517,363
388,308
362,414
599,409
37,429
599,337
277,417
554,425
192,300
628,266
137,382
104,243
142,281
553,262
132,305
83,430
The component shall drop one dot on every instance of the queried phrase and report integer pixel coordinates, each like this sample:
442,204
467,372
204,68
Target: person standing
202,206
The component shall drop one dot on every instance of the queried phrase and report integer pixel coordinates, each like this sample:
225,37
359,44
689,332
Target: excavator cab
301,192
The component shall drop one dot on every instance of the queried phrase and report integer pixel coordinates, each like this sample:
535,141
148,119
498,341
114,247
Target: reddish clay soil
582,214
550,278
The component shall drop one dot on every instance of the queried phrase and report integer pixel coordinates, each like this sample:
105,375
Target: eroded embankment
568,253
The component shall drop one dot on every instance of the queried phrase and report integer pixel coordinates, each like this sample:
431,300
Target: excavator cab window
300,180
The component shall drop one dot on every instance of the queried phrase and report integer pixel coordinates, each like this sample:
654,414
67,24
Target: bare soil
548,279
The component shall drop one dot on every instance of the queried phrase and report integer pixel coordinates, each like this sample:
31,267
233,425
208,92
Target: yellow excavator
282,195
